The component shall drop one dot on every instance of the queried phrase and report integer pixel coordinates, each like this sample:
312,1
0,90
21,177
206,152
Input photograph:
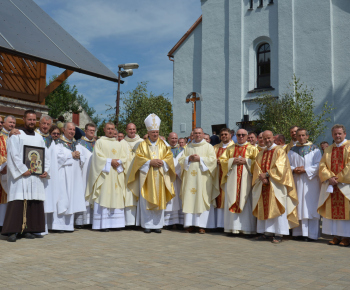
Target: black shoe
12,238
158,231
39,236
147,231
306,239
79,227
28,236
59,232
104,230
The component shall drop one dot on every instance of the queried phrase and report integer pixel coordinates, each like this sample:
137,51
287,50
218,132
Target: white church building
239,49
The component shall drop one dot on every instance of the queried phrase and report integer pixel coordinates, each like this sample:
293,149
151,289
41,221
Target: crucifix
193,98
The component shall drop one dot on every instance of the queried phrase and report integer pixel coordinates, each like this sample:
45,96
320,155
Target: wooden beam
18,95
54,84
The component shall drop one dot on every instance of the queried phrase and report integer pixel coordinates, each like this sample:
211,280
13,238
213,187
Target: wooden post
193,100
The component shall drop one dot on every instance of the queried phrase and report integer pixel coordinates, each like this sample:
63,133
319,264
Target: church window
264,66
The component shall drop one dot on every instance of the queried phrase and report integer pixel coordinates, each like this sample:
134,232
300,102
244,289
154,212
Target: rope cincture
24,224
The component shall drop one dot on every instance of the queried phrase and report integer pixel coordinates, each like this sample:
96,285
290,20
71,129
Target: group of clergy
243,187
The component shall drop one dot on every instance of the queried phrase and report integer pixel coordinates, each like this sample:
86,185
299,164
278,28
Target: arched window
264,66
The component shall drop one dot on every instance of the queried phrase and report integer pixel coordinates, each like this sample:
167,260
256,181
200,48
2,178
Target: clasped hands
239,161
299,170
115,163
156,163
263,178
333,180
194,158
76,154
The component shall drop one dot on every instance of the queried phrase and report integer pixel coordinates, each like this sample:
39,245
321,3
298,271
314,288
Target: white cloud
136,20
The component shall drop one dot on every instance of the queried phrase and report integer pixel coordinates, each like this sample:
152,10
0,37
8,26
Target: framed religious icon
34,159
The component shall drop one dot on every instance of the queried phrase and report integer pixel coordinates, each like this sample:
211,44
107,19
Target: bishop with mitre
155,165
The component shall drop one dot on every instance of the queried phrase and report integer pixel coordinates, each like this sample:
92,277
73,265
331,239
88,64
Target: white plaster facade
308,38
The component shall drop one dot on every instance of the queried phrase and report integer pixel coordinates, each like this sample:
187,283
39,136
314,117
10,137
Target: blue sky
124,31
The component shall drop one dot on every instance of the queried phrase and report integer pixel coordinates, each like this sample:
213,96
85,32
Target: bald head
131,130
242,136
268,138
172,139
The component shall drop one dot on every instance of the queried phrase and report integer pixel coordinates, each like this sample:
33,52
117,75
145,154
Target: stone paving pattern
130,259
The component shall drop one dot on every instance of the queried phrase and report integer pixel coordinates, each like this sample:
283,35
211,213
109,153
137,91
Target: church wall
214,62
187,79
341,67
307,39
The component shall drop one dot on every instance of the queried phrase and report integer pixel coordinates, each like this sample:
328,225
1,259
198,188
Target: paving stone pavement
130,259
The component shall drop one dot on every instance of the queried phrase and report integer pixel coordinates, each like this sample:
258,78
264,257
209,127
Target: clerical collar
240,145
63,138
227,144
272,146
153,143
308,143
295,142
37,130
128,139
341,144
87,140
194,142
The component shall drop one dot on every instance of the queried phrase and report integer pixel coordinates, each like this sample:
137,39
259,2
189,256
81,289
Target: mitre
152,122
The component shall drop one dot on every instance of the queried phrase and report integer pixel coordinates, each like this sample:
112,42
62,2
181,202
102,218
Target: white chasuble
132,214
173,212
66,187
198,181
19,187
308,188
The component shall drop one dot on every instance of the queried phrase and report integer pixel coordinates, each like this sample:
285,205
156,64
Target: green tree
65,99
293,108
138,104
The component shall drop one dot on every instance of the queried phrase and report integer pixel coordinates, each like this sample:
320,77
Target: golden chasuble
3,158
260,148
156,186
268,203
335,162
246,151
288,147
219,150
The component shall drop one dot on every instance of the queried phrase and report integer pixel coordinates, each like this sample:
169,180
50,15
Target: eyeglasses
241,135
55,134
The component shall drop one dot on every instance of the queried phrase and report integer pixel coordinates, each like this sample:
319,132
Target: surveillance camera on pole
126,72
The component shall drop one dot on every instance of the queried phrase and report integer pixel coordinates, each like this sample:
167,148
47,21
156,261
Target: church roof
183,38
28,32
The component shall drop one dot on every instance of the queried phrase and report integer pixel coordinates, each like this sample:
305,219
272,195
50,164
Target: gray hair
45,117
9,116
65,125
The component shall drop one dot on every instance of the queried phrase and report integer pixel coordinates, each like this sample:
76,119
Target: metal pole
118,99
